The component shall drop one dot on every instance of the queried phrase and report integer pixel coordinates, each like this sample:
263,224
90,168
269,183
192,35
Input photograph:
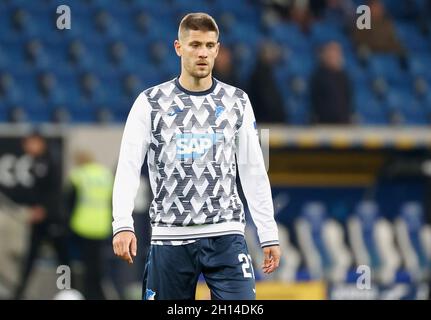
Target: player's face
198,50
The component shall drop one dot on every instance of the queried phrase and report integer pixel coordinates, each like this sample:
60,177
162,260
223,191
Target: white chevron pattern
190,190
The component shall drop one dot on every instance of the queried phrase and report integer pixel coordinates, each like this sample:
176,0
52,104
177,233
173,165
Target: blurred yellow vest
91,217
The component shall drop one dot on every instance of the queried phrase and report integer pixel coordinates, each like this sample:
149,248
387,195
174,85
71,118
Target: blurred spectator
382,37
41,193
263,90
318,7
223,67
300,13
88,198
331,92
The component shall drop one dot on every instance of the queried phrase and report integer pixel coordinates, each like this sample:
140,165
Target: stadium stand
132,38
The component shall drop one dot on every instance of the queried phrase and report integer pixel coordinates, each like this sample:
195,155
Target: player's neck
195,84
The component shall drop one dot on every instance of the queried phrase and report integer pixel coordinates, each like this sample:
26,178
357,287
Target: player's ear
217,48
177,47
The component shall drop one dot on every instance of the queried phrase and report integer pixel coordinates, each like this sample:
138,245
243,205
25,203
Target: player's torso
192,152
188,128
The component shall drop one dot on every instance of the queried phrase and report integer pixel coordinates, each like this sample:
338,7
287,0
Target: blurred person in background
331,90
224,68
41,193
381,38
297,11
88,198
263,89
301,14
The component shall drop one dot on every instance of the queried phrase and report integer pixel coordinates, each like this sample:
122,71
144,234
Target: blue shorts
172,272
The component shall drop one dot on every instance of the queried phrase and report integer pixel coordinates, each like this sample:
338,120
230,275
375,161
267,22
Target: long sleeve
134,146
254,179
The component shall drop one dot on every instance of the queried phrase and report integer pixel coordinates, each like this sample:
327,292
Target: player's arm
257,190
134,146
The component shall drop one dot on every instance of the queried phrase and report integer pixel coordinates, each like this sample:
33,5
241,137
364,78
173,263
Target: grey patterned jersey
191,156
192,140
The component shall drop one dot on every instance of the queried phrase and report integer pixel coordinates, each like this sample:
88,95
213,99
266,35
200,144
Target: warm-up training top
191,140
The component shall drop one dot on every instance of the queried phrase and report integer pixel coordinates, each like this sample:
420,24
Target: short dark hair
198,21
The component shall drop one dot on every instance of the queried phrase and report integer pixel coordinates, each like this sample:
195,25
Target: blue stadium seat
245,60
39,23
3,112
244,10
410,36
38,110
405,10
245,33
14,55
321,241
98,56
357,73
297,110
26,84
410,231
67,89
12,93
426,104
82,112
290,34
386,66
322,32
314,216
420,64
301,63
403,102
368,108
372,240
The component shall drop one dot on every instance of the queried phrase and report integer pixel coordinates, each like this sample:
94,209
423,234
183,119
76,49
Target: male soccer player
191,128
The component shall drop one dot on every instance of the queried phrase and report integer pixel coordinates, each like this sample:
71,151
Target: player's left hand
271,258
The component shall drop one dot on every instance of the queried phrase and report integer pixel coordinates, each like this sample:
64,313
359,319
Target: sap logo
218,111
194,146
150,294
175,111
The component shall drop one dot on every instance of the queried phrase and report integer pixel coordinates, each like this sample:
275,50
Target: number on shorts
246,264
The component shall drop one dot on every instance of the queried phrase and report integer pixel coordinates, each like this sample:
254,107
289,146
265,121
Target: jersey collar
196,93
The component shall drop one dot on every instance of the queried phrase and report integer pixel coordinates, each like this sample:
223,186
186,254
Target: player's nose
203,53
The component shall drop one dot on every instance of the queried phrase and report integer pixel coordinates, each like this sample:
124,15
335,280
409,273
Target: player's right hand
125,245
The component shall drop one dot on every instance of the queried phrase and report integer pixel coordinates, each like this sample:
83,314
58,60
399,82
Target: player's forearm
254,179
257,191
126,185
134,146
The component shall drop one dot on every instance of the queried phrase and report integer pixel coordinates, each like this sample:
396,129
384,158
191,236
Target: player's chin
201,73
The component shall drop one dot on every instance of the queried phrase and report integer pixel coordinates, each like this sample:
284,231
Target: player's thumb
266,255
133,246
